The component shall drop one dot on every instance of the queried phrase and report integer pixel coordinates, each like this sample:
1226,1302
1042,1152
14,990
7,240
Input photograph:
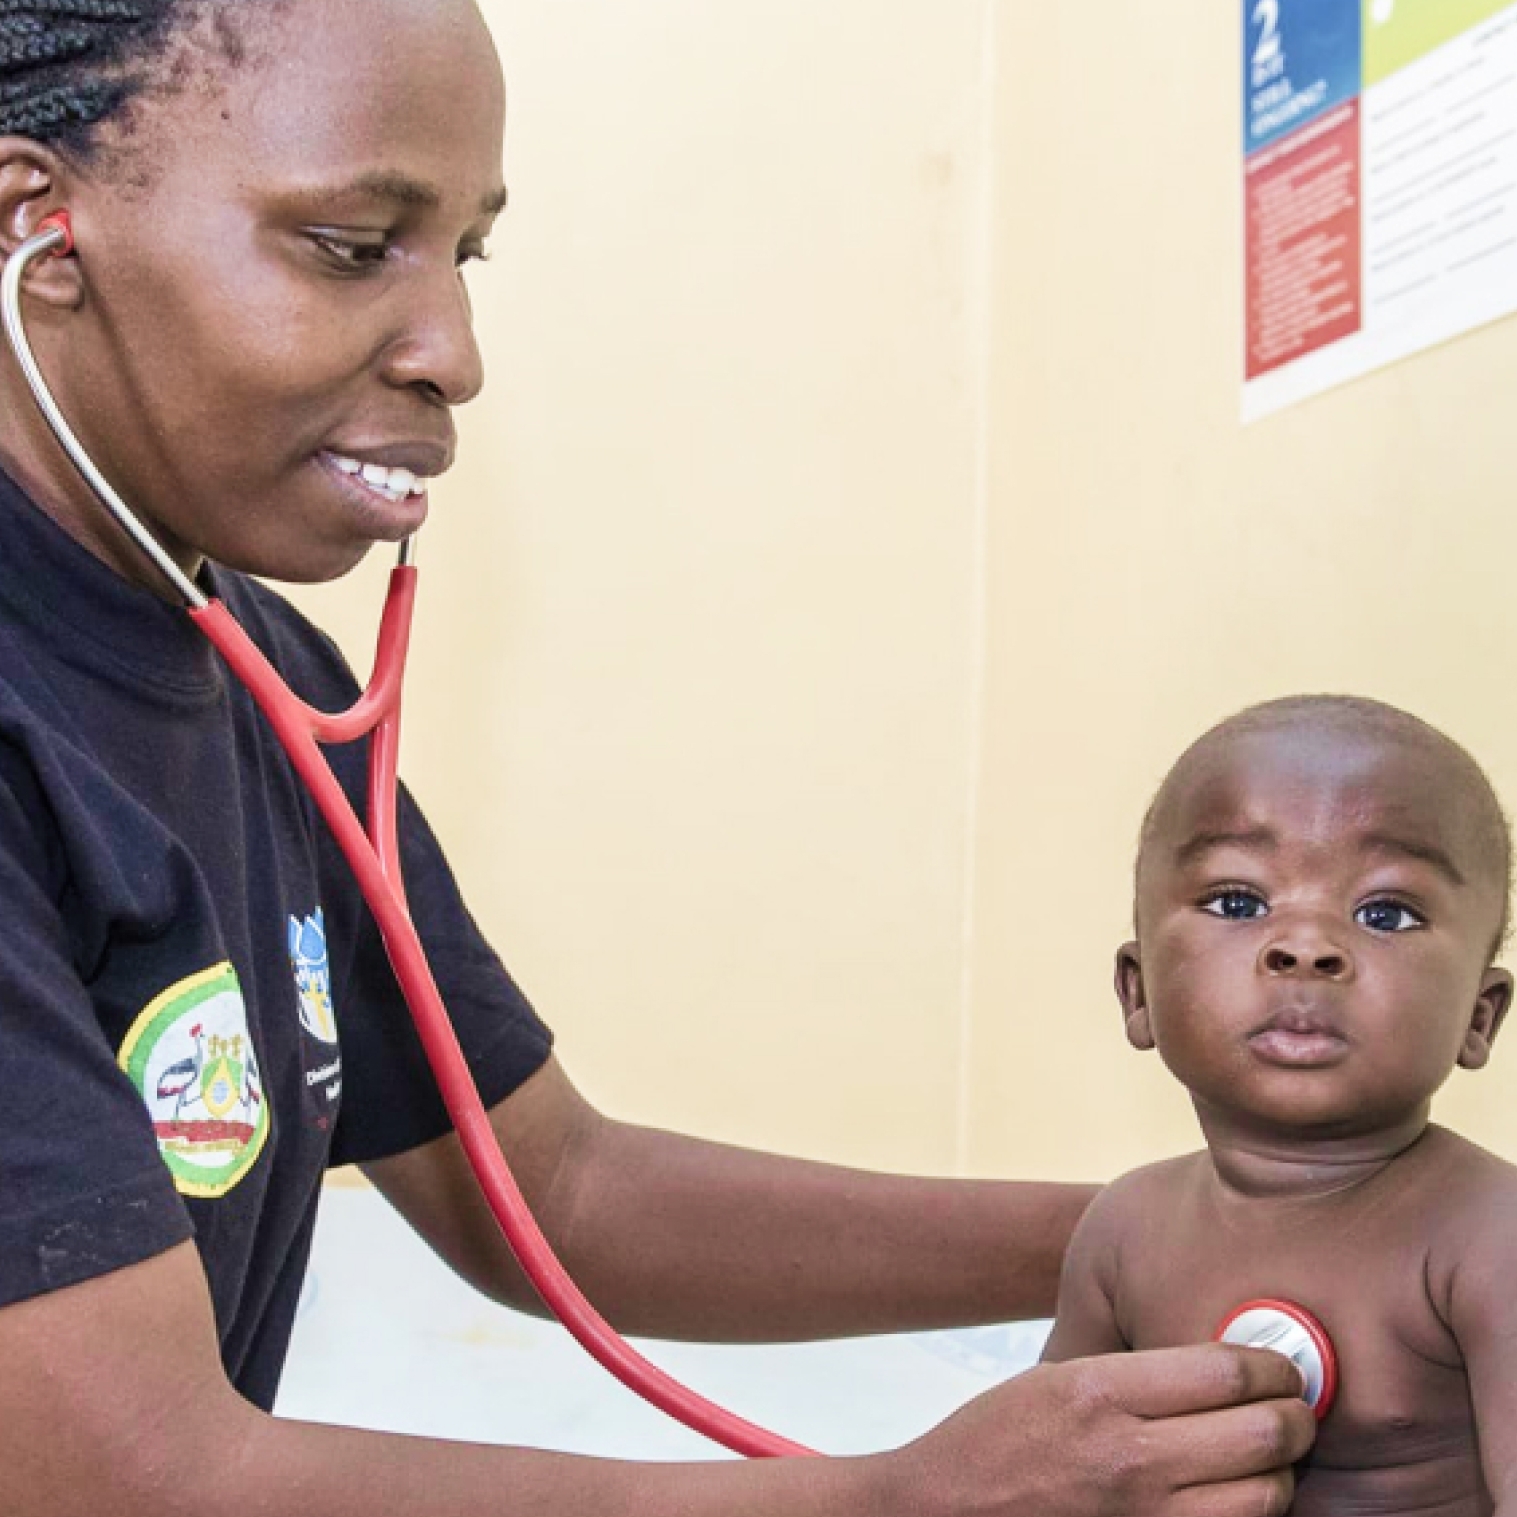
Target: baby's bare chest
1400,1436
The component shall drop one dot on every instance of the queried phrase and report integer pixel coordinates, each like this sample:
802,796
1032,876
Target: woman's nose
437,352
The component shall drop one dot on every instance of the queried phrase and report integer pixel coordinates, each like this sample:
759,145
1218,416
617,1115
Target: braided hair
67,66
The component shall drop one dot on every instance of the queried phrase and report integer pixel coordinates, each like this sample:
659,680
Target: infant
1321,890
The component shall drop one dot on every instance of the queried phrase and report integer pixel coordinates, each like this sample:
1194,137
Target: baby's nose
1327,962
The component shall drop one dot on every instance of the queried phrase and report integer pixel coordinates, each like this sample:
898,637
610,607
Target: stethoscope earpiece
59,221
1288,1329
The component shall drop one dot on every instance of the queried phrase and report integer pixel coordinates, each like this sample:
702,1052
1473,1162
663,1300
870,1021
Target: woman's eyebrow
403,189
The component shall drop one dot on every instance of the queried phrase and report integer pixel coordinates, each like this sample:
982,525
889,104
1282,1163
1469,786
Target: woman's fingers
1259,1496
1212,1449
1179,1433
1175,1382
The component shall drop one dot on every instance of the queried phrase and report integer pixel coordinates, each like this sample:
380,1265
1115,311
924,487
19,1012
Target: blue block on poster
1300,58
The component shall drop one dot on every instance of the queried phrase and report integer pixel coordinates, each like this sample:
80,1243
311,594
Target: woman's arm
677,1238
112,1399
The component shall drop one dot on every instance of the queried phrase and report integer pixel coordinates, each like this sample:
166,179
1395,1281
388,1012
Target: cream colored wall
694,667
856,525
1153,565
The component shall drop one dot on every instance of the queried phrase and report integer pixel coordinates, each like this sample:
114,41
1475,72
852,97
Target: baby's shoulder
1145,1197
1468,1211
1462,1172
1472,1189
1165,1177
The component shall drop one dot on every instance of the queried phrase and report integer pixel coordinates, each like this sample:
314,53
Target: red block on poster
1304,234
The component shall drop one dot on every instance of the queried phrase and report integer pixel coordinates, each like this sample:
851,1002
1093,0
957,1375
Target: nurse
262,339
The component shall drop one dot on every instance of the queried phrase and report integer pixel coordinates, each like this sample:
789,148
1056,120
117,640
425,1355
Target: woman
261,339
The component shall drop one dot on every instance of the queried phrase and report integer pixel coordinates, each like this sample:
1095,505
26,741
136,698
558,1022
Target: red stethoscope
374,856
373,853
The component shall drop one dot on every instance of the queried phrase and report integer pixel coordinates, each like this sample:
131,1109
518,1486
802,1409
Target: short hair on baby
1354,715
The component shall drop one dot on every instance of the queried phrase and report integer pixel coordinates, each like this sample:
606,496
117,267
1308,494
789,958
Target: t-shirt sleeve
83,1190
390,1100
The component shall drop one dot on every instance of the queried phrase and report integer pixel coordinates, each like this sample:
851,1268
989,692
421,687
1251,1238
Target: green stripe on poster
1398,32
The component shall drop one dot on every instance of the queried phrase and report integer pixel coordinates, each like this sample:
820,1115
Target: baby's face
1315,918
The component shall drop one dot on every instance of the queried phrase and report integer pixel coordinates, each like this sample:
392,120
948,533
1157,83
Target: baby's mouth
1299,1038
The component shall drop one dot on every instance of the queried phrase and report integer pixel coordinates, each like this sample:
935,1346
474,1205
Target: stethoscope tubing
56,239
374,856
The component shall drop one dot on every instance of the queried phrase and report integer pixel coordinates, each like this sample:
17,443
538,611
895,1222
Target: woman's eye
1235,905
351,252
1388,916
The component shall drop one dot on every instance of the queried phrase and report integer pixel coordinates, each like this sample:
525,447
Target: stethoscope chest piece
1293,1331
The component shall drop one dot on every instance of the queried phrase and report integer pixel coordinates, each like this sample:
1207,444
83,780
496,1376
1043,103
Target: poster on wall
1379,184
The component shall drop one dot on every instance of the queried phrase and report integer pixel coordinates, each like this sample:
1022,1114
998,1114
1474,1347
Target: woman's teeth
397,484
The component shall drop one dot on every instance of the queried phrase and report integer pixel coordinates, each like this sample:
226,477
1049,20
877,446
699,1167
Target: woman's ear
1490,1012
33,184
1130,992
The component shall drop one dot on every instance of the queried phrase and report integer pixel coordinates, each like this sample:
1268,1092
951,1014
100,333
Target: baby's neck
1254,1165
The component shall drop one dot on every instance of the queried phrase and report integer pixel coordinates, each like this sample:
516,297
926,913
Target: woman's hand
1207,1431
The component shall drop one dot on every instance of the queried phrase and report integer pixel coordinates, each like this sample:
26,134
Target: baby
1321,889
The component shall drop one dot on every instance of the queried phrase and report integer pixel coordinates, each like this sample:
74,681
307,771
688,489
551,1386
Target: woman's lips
384,516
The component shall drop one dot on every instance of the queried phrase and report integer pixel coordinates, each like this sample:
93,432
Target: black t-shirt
197,1017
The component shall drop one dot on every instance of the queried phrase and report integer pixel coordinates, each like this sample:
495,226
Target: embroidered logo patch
191,1058
313,976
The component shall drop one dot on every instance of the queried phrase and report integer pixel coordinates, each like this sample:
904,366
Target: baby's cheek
1194,983
1198,1003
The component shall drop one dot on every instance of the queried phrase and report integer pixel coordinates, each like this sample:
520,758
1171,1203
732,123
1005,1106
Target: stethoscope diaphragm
1288,1329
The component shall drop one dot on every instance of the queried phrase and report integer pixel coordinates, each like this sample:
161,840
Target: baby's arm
1086,1322
1483,1314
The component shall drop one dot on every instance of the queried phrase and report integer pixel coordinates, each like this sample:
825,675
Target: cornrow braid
66,66
26,43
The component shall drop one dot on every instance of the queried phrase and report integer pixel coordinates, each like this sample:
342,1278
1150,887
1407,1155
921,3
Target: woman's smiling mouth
391,502
394,484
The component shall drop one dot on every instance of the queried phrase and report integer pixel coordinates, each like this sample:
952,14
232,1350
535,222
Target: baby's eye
1388,916
1236,905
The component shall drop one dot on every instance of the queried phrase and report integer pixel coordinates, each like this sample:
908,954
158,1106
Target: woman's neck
35,460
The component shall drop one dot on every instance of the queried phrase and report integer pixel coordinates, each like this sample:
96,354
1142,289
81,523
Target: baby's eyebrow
1428,853
1258,838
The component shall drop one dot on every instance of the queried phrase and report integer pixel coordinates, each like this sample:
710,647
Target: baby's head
1321,888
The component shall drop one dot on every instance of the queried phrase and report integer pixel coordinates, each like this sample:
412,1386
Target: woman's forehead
331,89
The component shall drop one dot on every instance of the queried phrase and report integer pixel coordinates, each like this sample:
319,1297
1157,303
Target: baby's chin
1311,1125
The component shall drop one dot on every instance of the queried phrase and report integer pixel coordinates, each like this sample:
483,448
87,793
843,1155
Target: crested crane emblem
191,1057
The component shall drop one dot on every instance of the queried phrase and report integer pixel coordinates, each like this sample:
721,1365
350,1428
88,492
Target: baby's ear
1490,1012
1130,992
